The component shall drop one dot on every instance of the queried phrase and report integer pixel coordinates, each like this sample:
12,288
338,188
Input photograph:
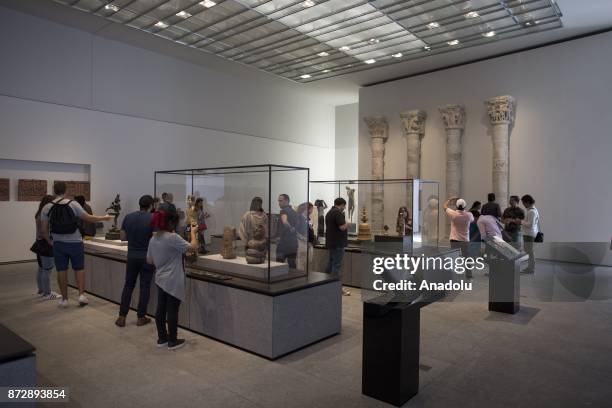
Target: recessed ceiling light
433,25
345,48
207,3
111,7
373,41
398,55
305,76
161,24
453,42
489,34
529,23
183,14
472,14
427,48
370,61
308,3
325,71
323,54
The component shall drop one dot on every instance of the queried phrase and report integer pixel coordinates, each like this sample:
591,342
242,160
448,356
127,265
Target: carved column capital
414,121
377,126
501,109
453,116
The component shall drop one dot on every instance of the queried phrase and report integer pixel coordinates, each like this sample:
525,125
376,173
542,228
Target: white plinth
239,266
115,242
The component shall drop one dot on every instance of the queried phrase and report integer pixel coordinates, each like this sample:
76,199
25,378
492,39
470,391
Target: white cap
461,204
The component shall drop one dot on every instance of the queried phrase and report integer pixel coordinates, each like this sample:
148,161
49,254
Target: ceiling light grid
309,41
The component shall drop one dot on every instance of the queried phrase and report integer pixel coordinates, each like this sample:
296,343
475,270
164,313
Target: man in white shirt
59,229
531,227
460,226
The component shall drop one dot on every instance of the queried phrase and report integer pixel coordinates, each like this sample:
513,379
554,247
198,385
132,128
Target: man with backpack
59,228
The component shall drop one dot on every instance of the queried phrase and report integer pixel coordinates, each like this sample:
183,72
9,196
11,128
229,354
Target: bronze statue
321,206
350,192
114,209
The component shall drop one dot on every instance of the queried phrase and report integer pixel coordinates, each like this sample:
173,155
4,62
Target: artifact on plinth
5,190
364,233
453,117
189,212
321,206
114,209
501,111
378,128
414,130
253,227
350,193
31,190
229,236
403,225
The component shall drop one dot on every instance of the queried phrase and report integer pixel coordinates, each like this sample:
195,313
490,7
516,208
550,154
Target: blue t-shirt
137,227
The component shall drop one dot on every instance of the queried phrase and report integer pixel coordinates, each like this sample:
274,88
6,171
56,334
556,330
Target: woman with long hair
166,251
44,256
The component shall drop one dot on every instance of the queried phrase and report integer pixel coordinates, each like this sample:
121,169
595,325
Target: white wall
347,141
560,146
67,96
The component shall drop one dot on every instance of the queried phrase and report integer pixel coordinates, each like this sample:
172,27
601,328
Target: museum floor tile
554,352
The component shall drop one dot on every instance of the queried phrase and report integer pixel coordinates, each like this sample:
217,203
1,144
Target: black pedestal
390,371
504,286
113,235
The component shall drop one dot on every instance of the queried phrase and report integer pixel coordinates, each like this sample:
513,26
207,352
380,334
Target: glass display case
252,220
393,210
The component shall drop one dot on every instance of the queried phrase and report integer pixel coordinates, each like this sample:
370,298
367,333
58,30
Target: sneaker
142,321
83,301
161,344
63,303
176,345
346,292
120,321
51,296
40,293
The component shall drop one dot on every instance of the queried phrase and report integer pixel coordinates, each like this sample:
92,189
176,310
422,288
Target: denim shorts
73,252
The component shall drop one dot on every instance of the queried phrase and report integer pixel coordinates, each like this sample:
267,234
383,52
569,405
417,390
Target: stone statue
321,206
364,233
350,192
229,236
253,232
404,225
114,209
189,212
430,221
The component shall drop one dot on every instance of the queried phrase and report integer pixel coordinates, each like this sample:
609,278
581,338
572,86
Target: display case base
239,267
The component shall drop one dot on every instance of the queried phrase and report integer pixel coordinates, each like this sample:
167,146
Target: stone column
414,130
453,117
501,110
378,128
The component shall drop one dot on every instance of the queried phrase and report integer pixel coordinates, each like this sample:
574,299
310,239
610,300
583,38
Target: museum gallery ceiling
315,39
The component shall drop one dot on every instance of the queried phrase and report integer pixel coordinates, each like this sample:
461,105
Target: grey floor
557,352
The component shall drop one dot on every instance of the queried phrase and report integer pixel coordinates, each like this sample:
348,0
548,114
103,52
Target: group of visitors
518,226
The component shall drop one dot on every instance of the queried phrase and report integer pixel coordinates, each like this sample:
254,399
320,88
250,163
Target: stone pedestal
453,117
501,111
414,130
378,128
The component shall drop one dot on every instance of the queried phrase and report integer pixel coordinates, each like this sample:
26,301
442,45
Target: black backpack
62,219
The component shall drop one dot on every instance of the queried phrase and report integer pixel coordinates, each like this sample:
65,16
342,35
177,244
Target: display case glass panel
252,220
395,210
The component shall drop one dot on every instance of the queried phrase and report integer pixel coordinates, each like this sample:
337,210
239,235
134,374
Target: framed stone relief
31,190
75,188
5,192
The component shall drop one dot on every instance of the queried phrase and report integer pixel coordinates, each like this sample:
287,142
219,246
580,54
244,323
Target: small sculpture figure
364,228
114,209
404,225
253,232
350,192
321,206
189,220
430,221
386,229
229,236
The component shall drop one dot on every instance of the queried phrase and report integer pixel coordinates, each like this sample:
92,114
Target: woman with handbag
44,256
531,229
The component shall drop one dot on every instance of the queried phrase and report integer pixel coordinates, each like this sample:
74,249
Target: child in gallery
166,251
